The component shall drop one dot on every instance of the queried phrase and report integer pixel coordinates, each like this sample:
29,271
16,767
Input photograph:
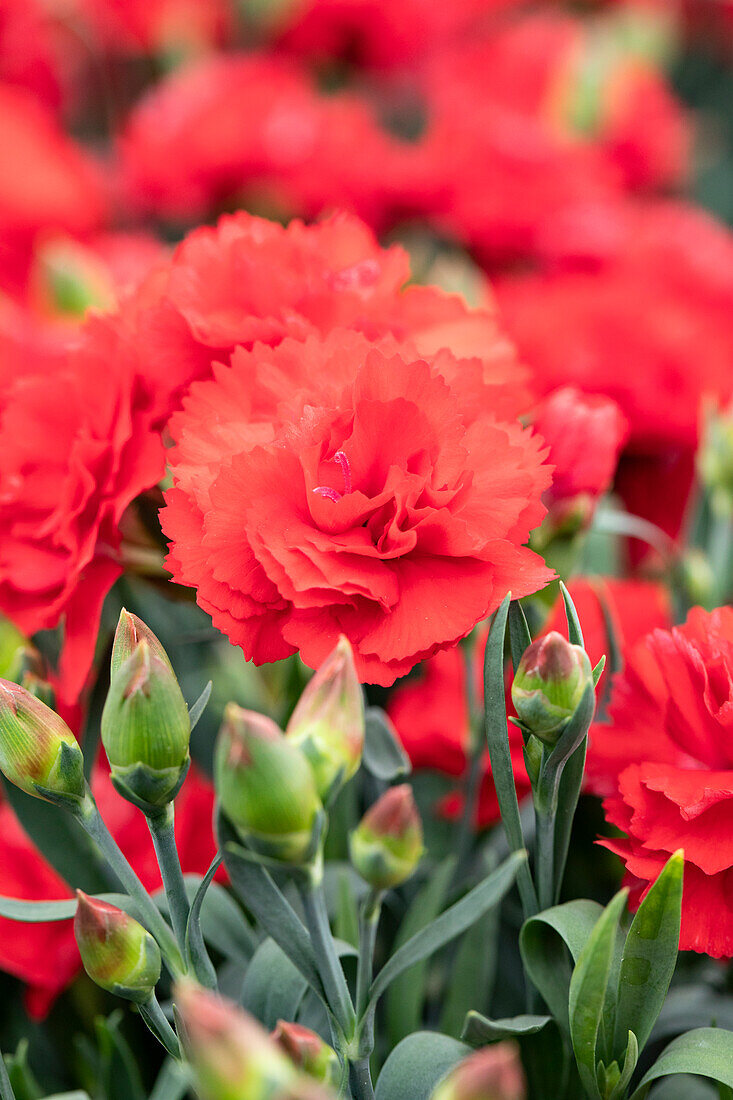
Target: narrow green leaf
172,1082
119,1073
196,952
41,912
649,956
706,1051
417,1065
598,670
575,633
261,896
497,738
519,634
6,1089
479,1030
450,924
223,924
588,987
383,754
273,987
568,794
631,1057
198,708
406,995
472,972
544,942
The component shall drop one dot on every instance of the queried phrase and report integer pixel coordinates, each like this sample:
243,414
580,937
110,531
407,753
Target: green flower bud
493,1073
327,725
308,1052
11,640
549,684
38,751
715,461
131,630
231,1056
117,952
146,728
265,786
387,845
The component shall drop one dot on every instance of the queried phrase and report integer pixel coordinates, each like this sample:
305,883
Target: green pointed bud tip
117,952
231,1056
387,845
265,786
146,728
38,751
328,721
493,1073
131,630
308,1052
549,684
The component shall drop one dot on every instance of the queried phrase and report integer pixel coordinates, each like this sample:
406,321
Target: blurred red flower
343,486
44,955
76,451
585,435
666,764
430,711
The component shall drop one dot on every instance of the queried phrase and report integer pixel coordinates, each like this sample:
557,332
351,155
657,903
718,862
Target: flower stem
360,1079
154,1017
91,820
474,769
368,923
164,841
545,859
327,960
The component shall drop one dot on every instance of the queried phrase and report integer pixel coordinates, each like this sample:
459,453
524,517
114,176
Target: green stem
154,1017
545,859
164,841
360,1079
327,960
91,820
474,768
368,923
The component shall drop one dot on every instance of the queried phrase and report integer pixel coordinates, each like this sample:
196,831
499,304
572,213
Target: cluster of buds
145,723
387,844
272,785
232,1057
117,952
548,685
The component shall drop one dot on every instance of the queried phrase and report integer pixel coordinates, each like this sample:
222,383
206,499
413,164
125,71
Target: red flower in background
430,712
665,761
76,451
249,280
340,486
45,956
585,435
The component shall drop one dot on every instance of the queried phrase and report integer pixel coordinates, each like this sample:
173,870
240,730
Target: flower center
334,494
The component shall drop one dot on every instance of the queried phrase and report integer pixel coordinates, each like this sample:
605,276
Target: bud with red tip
327,725
308,1052
145,724
231,1056
265,786
387,845
117,952
38,751
549,684
494,1073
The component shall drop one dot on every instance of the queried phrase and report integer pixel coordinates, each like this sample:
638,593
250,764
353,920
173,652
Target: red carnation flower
76,451
430,712
585,435
249,279
339,486
665,760
45,955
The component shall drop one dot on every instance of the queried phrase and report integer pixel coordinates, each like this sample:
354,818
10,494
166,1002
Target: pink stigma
333,494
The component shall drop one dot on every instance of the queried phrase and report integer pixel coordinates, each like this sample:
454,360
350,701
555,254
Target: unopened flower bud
131,630
715,462
266,786
549,684
308,1052
231,1056
11,640
28,669
145,726
38,751
387,845
327,725
117,952
493,1073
